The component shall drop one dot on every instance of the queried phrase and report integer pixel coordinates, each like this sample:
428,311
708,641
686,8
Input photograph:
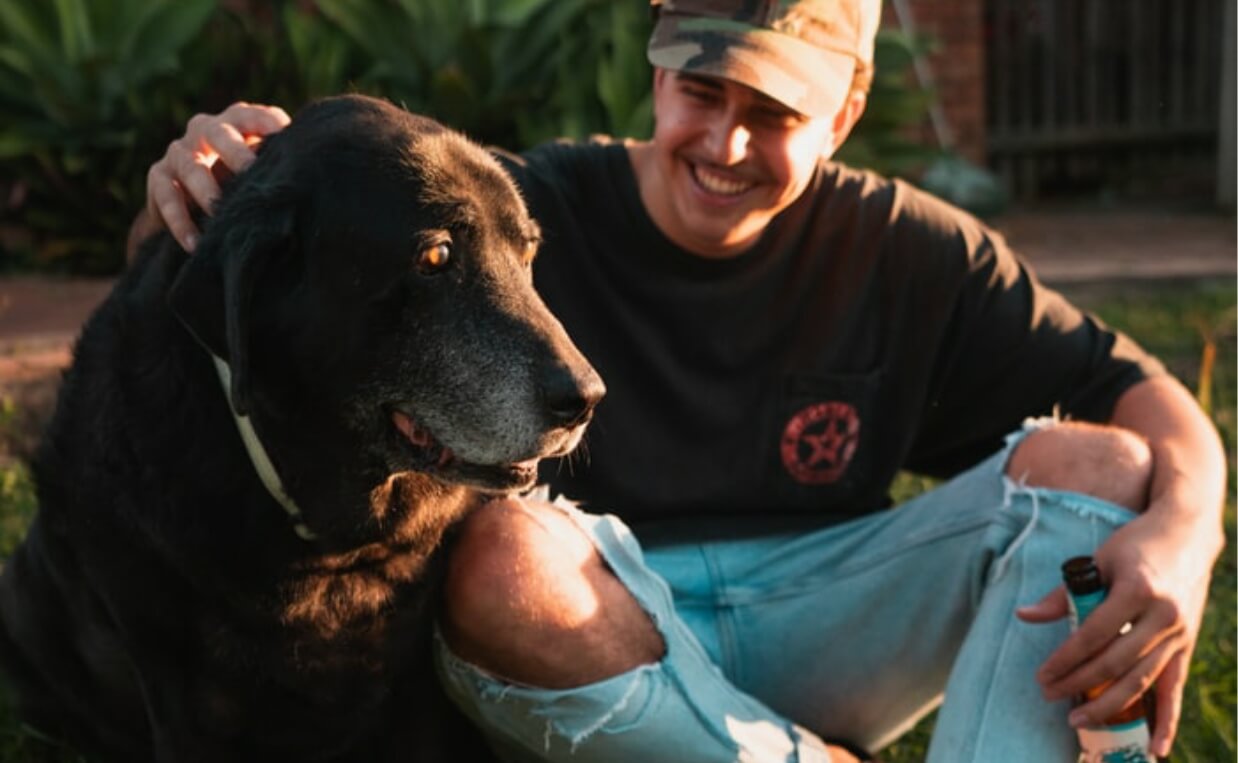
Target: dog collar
259,458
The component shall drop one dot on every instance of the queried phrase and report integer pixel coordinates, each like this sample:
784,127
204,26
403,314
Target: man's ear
214,292
850,113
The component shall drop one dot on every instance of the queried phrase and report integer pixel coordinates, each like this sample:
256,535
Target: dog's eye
530,251
434,258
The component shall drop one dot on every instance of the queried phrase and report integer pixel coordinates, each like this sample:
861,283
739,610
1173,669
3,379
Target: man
780,335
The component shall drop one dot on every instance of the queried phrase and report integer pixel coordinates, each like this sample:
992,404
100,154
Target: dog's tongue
421,438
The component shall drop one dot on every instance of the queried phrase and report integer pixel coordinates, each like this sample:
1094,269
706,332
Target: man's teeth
718,184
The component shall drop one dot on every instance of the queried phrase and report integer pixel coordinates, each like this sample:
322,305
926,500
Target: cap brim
809,79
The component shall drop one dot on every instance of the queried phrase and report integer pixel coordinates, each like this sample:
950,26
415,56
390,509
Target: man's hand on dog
185,172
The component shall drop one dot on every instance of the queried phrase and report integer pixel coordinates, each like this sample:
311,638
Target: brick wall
957,66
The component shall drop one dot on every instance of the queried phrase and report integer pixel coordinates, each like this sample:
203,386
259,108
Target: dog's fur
162,606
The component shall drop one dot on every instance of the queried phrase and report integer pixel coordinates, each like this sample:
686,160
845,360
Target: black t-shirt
871,328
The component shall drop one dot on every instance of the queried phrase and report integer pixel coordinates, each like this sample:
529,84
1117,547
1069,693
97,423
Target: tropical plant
81,84
508,72
882,140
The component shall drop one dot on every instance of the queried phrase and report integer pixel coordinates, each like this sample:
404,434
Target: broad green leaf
160,34
76,38
383,34
16,61
28,34
434,27
624,77
537,44
517,12
420,13
321,51
22,29
60,96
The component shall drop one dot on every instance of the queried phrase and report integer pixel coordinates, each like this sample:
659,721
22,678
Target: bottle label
1081,605
1127,743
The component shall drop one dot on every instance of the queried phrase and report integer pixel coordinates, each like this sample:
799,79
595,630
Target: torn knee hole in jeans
612,705
1013,486
1095,511
1011,489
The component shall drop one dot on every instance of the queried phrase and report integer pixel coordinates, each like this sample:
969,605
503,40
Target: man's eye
778,117
699,95
434,258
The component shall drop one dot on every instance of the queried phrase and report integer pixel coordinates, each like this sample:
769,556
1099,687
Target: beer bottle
1123,737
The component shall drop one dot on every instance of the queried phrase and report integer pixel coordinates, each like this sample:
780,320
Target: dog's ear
213,295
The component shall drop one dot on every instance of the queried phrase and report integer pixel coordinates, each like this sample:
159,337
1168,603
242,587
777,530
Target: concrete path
1072,246
40,316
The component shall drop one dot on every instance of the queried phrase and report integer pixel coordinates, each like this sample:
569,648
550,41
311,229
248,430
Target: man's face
724,160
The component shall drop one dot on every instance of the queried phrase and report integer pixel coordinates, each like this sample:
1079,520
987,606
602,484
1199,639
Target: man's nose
728,141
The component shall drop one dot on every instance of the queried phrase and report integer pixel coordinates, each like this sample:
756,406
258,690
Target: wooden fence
1109,95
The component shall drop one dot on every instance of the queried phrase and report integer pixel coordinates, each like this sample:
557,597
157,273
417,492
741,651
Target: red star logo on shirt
819,442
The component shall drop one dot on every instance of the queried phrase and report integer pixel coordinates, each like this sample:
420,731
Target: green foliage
81,84
323,57
17,505
508,73
881,140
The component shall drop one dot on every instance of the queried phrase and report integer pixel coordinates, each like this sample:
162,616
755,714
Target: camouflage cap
802,53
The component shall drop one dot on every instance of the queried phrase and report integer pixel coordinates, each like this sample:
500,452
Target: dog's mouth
430,452
431,456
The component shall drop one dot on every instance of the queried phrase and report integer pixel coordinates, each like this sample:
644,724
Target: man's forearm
1189,461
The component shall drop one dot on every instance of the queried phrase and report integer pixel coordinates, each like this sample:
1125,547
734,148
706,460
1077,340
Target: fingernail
191,242
1079,719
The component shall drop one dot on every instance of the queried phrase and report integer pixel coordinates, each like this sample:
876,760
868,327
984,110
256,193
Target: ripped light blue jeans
854,631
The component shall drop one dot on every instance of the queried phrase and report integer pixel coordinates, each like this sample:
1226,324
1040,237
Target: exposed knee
1106,462
529,599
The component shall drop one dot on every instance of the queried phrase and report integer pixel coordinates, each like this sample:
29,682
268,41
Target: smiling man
744,112
727,159
780,335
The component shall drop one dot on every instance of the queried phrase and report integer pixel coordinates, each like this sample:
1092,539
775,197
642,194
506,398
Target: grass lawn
1178,322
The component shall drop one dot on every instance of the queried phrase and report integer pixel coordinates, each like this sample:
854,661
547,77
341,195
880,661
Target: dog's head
368,281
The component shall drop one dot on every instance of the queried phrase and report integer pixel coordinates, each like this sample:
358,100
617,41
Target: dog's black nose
570,396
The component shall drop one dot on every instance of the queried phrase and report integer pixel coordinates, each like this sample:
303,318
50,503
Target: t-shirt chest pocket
825,427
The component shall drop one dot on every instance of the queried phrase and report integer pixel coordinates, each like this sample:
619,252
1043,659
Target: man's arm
1159,566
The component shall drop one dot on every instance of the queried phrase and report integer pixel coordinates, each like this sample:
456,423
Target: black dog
365,289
